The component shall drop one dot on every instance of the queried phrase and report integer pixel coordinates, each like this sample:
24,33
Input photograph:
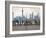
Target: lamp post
22,15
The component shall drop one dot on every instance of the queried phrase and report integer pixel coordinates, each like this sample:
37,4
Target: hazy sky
17,11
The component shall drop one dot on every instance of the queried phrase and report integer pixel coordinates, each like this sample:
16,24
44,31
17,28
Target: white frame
30,31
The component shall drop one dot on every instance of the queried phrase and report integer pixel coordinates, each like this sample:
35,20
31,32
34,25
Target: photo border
7,17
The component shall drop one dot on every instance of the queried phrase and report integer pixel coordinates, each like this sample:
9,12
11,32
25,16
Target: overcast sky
26,11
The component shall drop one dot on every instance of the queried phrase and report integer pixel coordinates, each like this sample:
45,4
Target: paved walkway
28,27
